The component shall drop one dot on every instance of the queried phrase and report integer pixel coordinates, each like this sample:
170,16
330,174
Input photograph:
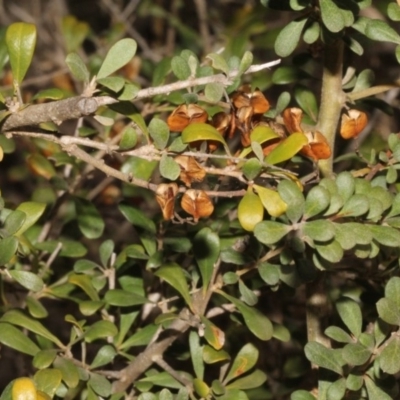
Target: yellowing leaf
200,131
287,148
271,200
250,211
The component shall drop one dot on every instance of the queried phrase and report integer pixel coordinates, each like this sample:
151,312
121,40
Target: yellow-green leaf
250,211
259,134
21,42
199,131
271,200
287,148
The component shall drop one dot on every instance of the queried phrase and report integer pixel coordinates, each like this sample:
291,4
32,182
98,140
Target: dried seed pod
317,148
191,171
197,204
165,196
184,115
256,100
353,123
292,119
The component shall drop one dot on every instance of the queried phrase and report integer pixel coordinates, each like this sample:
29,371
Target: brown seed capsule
353,123
165,196
317,147
292,119
185,114
197,204
190,170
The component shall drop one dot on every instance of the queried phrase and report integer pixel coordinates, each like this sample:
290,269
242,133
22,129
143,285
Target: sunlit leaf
21,42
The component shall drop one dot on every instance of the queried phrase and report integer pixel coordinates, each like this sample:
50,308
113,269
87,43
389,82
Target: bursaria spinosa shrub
207,224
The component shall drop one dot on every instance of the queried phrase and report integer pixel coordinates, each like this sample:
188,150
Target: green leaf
173,274
257,322
393,11
360,233
213,335
212,356
285,75
21,42
317,201
104,356
331,16
44,358
338,334
331,251
287,148
14,221
346,185
69,248
196,355
36,308
243,362
306,99
28,280
48,380
200,131
380,31
293,197
8,247
312,33
270,232
85,283
14,338
169,168
326,358
289,37
74,32
354,382
375,392
163,379
140,338
100,385
114,83
77,67
214,91
260,134
90,222
16,317
301,395
271,201
49,94
321,230
100,330
269,273
250,211
206,248
123,298
68,370
105,251
137,218
350,313
118,56
386,235
356,354
218,62
245,62
392,290
388,311
33,211
159,132
251,168
389,359
357,205
180,68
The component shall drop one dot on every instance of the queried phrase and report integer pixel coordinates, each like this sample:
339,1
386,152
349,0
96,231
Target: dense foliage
191,223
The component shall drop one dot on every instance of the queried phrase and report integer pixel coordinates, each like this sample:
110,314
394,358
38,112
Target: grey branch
81,106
